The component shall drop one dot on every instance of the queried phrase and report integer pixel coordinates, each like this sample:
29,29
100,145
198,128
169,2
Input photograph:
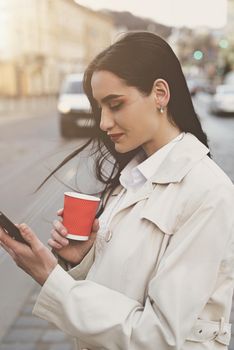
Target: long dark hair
139,58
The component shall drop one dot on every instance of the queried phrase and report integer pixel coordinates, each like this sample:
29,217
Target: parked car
194,85
75,118
199,84
229,78
223,99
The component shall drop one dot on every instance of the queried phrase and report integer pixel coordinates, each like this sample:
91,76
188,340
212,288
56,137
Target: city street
29,149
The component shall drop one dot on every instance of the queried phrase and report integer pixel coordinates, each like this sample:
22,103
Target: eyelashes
115,107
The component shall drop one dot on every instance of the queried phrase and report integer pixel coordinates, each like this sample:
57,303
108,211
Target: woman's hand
70,250
36,259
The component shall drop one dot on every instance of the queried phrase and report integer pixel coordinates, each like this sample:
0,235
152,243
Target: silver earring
161,110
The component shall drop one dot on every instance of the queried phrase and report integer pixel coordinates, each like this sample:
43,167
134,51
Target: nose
107,121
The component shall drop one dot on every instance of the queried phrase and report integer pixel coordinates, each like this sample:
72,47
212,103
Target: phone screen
10,228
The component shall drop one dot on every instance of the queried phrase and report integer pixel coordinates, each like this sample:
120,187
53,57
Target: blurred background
45,46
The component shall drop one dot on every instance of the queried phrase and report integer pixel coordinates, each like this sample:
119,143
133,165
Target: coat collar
178,162
176,165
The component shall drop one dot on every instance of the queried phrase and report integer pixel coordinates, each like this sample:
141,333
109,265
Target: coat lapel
180,160
143,193
176,165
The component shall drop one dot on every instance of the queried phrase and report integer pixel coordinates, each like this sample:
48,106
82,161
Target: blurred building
224,39
194,47
228,42
41,41
230,18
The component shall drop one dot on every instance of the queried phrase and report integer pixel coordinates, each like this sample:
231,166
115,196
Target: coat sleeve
80,271
177,293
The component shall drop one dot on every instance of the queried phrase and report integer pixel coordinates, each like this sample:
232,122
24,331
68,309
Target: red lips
115,137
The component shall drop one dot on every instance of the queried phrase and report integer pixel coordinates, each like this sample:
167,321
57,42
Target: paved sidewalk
31,333
12,110
231,346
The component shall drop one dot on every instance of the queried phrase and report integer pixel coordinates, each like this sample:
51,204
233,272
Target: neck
162,138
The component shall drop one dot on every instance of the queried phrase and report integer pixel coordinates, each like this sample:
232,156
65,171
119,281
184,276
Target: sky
189,13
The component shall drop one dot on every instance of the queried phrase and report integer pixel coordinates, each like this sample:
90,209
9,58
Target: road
220,132
29,148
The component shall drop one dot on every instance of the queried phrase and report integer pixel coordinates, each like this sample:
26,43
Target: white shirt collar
140,168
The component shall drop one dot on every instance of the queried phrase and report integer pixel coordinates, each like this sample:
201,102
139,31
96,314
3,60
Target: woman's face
128,117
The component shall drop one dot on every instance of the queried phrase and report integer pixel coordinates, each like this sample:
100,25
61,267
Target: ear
161,93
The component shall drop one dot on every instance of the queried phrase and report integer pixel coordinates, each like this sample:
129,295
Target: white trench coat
164,281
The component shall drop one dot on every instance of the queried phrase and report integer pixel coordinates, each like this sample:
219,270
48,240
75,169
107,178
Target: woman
157,271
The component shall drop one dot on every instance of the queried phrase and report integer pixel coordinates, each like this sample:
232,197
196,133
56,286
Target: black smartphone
11,229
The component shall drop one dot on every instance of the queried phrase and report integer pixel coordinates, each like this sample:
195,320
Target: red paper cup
79,214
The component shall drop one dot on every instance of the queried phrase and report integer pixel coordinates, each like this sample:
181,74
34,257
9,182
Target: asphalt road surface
30,147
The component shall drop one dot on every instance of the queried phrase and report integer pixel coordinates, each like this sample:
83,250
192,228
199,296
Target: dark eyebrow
110,97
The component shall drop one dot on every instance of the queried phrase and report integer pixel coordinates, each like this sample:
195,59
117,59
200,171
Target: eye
115,106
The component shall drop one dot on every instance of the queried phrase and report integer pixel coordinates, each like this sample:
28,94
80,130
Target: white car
223,99
229,78
75,118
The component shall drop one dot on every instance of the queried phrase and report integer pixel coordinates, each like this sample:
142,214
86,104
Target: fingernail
22,226
64,232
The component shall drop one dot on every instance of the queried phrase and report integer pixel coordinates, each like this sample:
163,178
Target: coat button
108,236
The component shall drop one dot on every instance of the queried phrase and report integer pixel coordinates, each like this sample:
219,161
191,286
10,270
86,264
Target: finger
92,236
2,231
5,238
60,212
94,231
8,250
29,235
60,228
54,244
8,241
58,238
95,226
